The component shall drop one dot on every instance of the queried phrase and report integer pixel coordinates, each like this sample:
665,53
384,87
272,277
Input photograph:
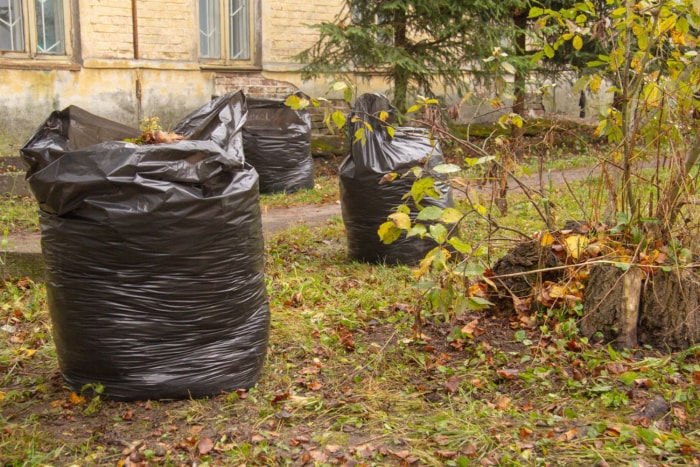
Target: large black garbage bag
154,254
277,142
366,201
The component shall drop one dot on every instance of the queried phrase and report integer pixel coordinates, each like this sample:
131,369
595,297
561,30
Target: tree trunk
662,311
400,75
670,313
611,305
519,80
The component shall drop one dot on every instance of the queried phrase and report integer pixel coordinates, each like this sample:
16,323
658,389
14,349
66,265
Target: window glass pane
11,28
239,29
49,27
209,33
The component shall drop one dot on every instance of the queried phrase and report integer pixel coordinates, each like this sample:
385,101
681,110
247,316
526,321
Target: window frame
31,34
254,39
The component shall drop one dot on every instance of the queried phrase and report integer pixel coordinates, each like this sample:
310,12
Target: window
225,32
34,27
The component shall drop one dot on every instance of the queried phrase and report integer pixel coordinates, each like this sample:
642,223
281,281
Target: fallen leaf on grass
446,454
503,402
643,383
280,397
75,399
452,384
568,435
204,446
442,440
364,451
681,415
508,373
470,451
471,327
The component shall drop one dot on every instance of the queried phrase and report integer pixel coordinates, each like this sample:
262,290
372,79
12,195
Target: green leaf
477,303
388,233
446,169
577,43
643,41
339,119
439,233
451,216
403,208
339,86
360,136
508,68
618,12
623,266
628,377
417,230
471,161
296,102
535,12
414,108
459,245
471,270
548,51
431,213
422,188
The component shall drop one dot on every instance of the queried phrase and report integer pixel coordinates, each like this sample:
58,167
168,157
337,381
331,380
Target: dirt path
279,219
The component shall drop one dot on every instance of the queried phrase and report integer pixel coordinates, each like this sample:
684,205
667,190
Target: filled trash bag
277,142
154,254
367,199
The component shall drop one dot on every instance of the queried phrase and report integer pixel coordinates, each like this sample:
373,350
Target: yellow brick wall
284,27
167,29
106,29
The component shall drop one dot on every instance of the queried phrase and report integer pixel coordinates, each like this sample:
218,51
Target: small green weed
325,190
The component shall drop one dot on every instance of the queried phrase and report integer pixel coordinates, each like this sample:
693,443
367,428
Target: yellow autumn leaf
401,220
546,239
557,291
75,399
575,244
577,42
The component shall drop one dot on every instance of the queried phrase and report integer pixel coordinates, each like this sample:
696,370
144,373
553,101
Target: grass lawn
347,381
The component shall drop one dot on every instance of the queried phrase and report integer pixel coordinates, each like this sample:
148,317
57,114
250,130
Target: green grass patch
347,381
18,213
325,190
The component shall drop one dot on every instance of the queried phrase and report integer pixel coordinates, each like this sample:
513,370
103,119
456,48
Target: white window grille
11,25
225,30
34,27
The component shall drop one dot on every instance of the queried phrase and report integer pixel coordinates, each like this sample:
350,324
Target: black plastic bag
367,200
277,142
154,254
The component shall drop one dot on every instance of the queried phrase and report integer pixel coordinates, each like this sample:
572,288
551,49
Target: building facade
128,59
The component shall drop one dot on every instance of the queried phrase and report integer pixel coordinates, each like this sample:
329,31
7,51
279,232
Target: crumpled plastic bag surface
154,254
277,142
366,201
